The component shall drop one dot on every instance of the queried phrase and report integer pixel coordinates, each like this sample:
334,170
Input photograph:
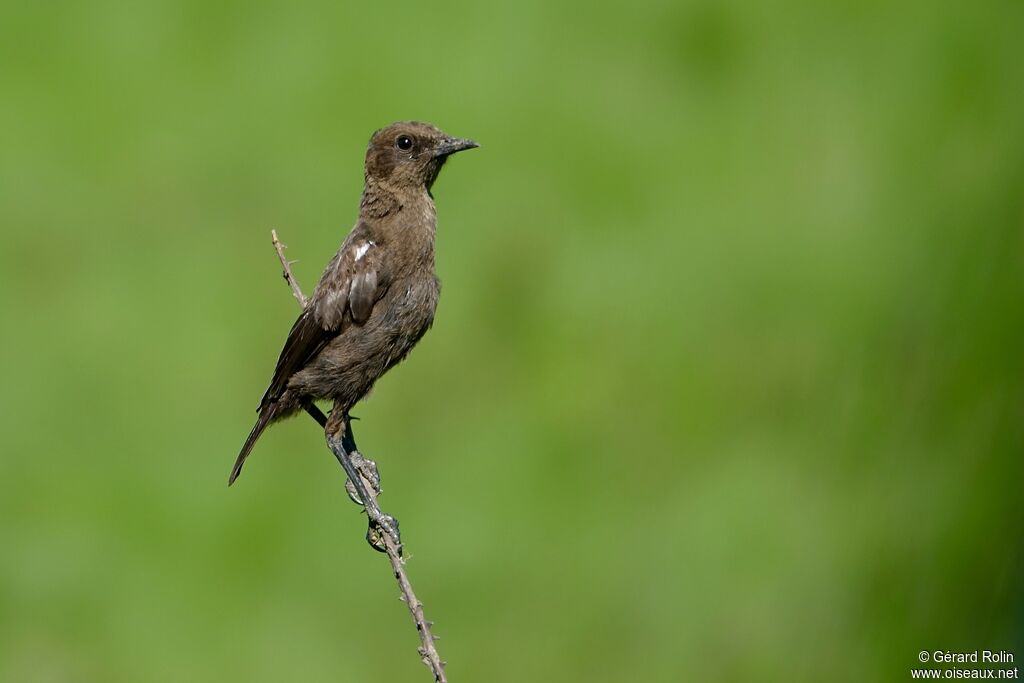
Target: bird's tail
266,415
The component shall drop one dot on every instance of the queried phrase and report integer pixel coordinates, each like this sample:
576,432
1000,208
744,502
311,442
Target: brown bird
377,296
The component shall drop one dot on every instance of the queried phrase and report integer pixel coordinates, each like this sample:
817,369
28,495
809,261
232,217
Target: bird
377,296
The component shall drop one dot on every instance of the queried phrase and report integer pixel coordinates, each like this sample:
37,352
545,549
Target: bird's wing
352,283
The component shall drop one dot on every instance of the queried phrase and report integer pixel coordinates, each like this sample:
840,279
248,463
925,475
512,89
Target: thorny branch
289,278
427,649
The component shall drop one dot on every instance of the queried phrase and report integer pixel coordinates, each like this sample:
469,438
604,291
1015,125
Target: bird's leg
366,467
315,413
340,441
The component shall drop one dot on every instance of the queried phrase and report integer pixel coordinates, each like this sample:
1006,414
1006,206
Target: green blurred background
726,383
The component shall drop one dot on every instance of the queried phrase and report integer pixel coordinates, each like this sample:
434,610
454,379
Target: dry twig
428,651
289,278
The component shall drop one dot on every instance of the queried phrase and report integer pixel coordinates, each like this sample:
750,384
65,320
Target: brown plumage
377,296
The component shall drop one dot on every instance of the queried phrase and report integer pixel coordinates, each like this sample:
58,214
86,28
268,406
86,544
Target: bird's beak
453,145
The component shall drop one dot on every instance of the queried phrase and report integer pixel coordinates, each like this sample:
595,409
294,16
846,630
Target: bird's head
410,154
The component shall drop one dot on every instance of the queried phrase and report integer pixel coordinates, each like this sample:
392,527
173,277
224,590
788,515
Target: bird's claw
375,533
367,468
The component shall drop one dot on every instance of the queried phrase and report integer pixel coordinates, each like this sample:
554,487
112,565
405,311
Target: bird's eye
404,143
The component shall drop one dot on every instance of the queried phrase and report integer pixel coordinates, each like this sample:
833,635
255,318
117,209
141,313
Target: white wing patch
363,248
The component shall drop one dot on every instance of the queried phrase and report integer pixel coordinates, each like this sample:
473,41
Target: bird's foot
368,469
384,524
